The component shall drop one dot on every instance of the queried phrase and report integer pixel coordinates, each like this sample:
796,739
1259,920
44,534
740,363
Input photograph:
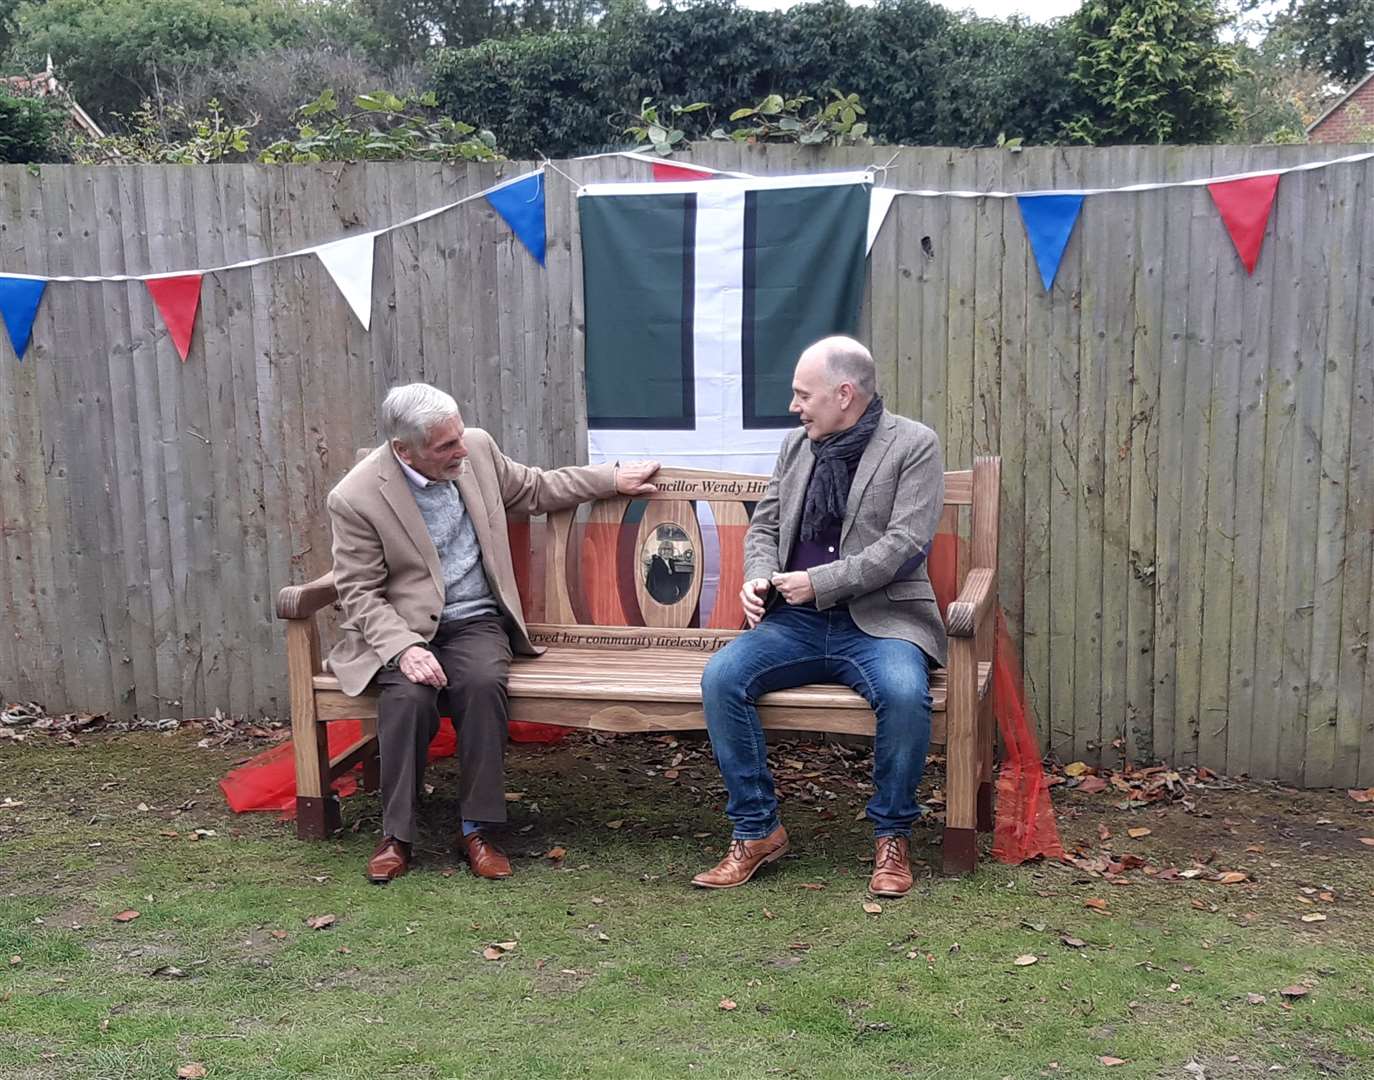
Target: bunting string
314,249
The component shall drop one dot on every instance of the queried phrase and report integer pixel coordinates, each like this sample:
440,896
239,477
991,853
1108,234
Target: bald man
836,591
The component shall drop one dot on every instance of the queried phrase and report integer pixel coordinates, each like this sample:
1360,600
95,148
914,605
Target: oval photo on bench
667,562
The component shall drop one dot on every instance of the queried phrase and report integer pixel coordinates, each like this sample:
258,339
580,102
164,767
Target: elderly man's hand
633,479
419,665
796,587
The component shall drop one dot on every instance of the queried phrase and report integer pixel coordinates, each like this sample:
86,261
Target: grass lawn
619,969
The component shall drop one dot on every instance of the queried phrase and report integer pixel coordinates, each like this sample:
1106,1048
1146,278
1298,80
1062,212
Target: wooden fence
1188,513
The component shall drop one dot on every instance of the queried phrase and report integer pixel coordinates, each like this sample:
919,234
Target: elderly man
423,568
836,591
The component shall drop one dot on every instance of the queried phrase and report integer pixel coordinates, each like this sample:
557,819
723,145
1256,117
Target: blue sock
470,827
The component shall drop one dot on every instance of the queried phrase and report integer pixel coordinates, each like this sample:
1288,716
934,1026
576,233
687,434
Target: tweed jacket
386,570
890,519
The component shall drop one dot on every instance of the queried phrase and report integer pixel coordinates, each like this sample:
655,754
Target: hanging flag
1244,206
879,204
19,299
699,299
349,262
1049,222
665,171
521,203
177,299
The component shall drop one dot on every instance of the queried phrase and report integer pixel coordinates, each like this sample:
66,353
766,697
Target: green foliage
114,54
923,74
1152,71
383,127
785,119
1275,97
1334,36
403,30
651,129
148,140
31,130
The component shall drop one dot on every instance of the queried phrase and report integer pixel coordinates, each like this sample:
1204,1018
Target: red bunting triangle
664,171
177,299
1244,206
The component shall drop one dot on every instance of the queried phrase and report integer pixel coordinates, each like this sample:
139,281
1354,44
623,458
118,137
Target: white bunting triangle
879,203
349,262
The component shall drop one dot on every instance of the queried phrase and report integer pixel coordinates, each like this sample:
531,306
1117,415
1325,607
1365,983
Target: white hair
408,412
848,361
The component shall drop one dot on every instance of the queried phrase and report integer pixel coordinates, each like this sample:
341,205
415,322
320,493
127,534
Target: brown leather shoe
742,861
891,869
389,861
486,859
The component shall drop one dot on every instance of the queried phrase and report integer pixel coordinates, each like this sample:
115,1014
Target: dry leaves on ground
726,1005
1026,960
321,922
126,916
192,1070
873,908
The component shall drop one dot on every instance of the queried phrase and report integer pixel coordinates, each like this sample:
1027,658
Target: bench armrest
302,601
965,615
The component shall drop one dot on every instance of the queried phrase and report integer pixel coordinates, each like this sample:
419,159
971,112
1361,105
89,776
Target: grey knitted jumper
466,593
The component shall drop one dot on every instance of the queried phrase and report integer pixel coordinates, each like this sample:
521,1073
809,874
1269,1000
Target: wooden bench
626,643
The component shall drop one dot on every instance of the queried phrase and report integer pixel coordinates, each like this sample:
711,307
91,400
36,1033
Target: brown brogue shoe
891,867
389,861
742,861
486,859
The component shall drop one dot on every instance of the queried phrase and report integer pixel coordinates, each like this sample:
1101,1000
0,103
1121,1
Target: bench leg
960,851
317,818
986,751
962,759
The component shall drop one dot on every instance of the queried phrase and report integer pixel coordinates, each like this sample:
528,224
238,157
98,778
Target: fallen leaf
1091,785
492,953
1138,832
872,908
1195,1069
1233,877
1096,903
615,824
1367,840
514,796
1362,794
670,774
1294,991
1026,960
1107,1059
555,853
1074,943
321,922
126,916
167,971
768,914
505,946
1314,916
1255,999
280,935
813,886
192,1070
16,960
726,1005
1077,768
1103,833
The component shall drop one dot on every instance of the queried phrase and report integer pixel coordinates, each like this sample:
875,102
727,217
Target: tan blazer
390,583
890,520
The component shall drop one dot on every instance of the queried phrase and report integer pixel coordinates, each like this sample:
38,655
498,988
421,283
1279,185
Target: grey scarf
837,458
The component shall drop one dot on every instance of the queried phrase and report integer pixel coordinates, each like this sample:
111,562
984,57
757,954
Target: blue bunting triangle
19,299
521,203
1049,222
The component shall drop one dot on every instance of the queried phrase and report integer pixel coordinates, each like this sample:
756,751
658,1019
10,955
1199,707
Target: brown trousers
475,655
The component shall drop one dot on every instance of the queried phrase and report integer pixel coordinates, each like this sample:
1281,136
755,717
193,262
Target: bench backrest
632,571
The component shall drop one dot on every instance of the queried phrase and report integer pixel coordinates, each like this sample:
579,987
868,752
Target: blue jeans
794,646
